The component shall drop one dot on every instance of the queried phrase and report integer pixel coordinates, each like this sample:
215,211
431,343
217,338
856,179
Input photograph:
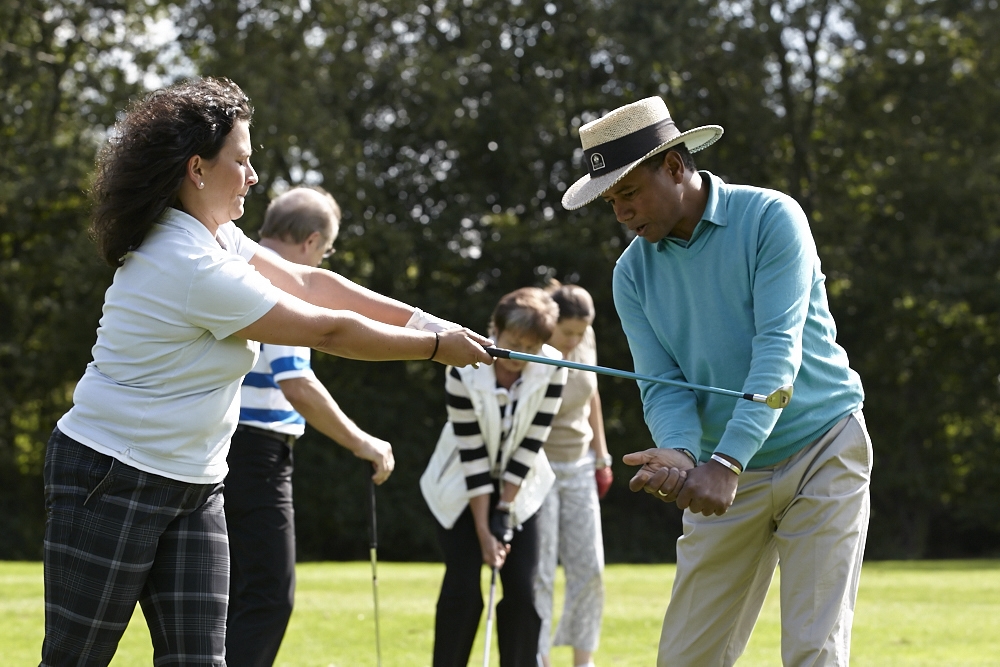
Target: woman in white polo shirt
133,472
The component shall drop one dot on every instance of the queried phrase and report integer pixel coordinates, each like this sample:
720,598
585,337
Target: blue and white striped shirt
262,403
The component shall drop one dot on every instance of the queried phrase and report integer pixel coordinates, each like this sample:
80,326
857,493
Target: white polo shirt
162,393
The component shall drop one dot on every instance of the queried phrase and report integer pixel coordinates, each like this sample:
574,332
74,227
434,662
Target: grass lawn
908,613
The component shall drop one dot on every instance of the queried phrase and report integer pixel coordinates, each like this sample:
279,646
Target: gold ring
661,493
475,364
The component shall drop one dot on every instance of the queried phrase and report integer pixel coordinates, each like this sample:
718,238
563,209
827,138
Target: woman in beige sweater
569,521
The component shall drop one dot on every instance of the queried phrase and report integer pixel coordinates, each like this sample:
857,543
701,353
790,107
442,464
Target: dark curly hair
140,170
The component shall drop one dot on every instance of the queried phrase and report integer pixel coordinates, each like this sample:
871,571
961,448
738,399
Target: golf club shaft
489,618
373,550
521,356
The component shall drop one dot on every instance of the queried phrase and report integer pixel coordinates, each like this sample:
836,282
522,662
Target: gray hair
294,215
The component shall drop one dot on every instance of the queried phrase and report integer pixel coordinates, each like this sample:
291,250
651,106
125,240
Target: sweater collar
714,214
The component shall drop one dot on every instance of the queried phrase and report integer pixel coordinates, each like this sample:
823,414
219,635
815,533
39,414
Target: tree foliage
59,92
447,131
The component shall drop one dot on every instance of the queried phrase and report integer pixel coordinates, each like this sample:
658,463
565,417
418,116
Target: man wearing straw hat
723,287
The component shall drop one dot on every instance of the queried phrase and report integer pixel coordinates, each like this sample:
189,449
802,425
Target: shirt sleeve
524,454
228,294
288,362
236,241
471,445
787,265
671,413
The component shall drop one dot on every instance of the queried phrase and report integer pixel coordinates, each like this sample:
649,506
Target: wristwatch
602,462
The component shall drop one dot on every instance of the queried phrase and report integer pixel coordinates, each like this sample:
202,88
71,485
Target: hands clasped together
495,539
670,476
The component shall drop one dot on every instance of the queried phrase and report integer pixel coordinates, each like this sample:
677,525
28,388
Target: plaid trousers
115,536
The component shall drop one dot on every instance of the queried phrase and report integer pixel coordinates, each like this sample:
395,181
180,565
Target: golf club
373,550
505,536
489,618
777,399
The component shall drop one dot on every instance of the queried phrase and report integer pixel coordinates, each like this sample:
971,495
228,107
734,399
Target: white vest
443,482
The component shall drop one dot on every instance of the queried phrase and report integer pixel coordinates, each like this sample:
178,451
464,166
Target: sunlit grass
908,613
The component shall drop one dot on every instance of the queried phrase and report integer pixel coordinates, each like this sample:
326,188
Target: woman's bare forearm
347,334
330,290
342,333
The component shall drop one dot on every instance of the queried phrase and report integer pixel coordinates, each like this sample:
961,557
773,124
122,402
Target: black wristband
691,456
437,341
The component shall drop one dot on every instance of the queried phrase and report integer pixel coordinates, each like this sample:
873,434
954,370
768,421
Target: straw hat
615,144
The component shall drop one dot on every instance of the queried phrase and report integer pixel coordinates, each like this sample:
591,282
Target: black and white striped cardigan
485,452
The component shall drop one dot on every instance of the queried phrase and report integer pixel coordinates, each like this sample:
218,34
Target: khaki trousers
810,514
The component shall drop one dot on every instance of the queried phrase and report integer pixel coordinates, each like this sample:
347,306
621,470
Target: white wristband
422,321
735,468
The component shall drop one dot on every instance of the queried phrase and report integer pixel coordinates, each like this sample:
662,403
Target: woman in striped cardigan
489,473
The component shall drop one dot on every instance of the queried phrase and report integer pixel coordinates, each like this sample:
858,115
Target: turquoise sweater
743,306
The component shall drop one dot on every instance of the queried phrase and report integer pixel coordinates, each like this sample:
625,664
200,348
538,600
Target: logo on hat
596,162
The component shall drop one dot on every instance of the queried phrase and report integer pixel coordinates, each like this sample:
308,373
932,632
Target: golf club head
780,397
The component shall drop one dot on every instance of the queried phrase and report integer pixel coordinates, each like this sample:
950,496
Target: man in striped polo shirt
278,397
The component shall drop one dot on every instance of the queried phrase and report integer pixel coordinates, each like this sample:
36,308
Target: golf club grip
497,352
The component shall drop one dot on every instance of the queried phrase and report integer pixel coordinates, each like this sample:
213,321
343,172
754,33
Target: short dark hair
528,310
293,221
140,169
575,303
681,149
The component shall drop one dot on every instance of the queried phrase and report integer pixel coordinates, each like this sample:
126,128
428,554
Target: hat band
619,152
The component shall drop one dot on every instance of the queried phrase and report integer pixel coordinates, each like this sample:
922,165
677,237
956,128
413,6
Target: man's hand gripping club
670,476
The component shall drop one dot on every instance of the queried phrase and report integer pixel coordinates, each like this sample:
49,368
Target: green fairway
908,613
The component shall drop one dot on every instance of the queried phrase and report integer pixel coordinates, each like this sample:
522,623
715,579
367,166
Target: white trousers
810,513
569,526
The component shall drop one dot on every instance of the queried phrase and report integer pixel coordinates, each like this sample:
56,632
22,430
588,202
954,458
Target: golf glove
604,477
501,526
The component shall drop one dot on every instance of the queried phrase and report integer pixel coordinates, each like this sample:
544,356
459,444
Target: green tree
448,133
910,203
63,73
876,117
